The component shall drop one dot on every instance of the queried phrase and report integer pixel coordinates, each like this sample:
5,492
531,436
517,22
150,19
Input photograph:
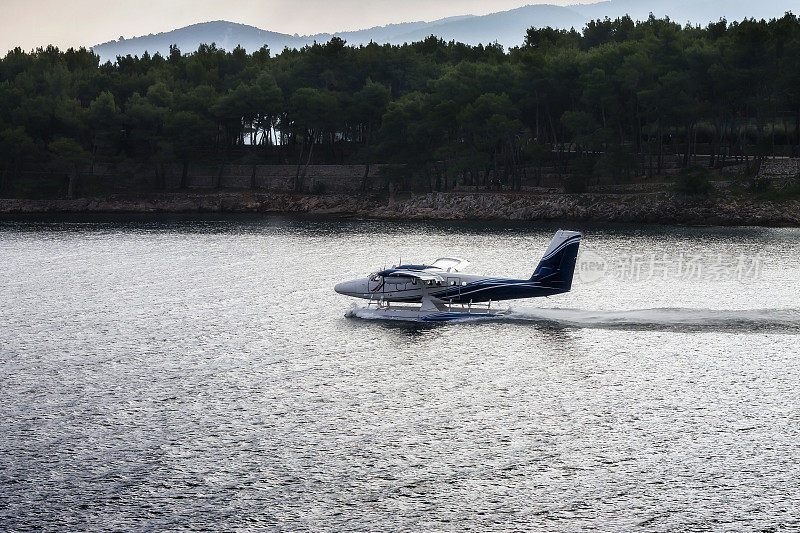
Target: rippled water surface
160,373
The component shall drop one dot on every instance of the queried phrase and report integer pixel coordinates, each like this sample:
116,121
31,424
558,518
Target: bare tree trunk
712,152
73,181
687,154
161,177
308,161
297,185
797,132
772,137
365,179
185,175
218,184
552,127
3,180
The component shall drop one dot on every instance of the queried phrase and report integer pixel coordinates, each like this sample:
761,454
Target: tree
266,99
105,123
369,105
490,127
623,92
145,119
69,153
16,148
188,133
310,113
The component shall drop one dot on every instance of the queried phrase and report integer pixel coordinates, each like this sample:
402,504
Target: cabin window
453,283
464,283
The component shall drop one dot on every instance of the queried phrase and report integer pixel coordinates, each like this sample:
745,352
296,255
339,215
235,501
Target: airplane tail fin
557,267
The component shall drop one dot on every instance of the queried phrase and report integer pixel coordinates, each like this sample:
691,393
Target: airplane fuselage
445,282
457,288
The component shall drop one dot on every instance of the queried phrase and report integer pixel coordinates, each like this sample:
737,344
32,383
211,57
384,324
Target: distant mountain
694,11
226,35
392,33
506,27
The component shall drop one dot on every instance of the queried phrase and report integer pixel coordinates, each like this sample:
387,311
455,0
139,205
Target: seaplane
442,292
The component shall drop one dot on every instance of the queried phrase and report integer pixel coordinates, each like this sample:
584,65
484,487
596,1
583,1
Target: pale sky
32,23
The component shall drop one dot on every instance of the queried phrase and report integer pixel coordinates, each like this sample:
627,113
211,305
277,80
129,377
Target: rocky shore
666,208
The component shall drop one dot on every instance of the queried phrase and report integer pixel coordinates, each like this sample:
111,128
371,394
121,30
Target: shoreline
651,208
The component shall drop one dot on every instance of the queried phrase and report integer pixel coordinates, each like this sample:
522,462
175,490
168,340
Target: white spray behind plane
445,292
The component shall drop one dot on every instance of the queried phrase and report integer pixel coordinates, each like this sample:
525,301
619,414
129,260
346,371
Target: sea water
200,373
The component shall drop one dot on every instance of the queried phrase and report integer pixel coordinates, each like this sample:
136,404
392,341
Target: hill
694,11
505,27
225,34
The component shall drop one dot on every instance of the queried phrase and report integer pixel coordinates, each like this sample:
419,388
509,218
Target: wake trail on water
747,320
664,319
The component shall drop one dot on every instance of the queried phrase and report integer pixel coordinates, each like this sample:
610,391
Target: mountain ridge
504,27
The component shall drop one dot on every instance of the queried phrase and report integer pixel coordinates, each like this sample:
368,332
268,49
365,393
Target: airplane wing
403,273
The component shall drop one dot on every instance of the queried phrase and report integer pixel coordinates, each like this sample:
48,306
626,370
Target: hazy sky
32,23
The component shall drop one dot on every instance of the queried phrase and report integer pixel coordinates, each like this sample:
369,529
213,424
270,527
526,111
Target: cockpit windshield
450,263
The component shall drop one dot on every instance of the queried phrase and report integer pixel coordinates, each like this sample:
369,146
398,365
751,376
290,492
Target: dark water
200,374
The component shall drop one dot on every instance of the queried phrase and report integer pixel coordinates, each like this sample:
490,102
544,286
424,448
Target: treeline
613,98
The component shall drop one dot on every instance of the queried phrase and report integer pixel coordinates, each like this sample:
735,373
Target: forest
611,100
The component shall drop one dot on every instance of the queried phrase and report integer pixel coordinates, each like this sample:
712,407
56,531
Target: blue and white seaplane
445,293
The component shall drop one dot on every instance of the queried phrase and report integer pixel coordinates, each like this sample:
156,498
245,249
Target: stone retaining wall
781,172
321,178
339,179
662,208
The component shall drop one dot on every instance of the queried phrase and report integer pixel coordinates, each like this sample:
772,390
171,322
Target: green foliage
16,149
16,144
694,180
583,171
575,184
68,151
616,164
599,100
